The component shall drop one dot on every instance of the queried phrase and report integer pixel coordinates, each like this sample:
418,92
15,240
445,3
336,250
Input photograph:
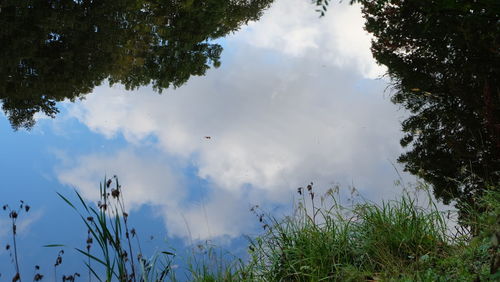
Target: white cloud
272,131
23,226
277,115
148,180
145,180
267,128
293,27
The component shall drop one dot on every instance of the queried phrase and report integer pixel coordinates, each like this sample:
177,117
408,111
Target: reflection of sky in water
293,102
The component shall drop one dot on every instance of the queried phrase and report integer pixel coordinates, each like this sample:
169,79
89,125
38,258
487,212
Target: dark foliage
61,49
443,57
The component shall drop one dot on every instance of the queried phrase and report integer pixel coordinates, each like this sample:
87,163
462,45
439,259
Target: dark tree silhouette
443,57
51,50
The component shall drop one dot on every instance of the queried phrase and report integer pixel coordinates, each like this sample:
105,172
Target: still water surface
257,98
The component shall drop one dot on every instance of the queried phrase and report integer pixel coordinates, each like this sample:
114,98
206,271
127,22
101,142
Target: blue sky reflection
295,101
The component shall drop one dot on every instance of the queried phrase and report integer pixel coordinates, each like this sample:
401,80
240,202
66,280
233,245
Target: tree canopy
61,49
443,58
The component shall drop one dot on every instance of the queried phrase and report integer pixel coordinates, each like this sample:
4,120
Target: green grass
394,241
323,240
110,244
208,263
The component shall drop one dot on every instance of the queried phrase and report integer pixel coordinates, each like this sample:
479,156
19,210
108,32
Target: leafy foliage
61,49
443,58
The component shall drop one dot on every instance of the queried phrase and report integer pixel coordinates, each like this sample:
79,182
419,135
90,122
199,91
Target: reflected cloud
294,28
274,117
152,181
267,128
145,180
23,226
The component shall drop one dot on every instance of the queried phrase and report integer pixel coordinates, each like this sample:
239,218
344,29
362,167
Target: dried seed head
13,214
108,183
59,258
115,193
27,208
58,261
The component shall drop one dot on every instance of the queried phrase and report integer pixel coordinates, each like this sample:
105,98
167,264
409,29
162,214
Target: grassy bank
323,240
396,241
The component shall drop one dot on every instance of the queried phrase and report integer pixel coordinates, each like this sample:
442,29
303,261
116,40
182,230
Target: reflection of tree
62,49
444,58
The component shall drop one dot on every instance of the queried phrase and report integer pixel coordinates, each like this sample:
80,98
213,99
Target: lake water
296,98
